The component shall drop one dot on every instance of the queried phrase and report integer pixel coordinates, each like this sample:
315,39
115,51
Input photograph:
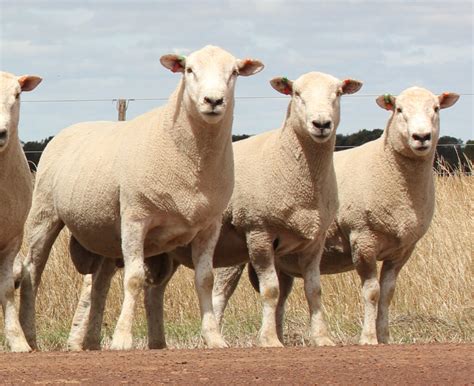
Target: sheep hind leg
388,280
319,334
87,321
44,231
286,284
225,283
260,246
154,302
203,247
13,331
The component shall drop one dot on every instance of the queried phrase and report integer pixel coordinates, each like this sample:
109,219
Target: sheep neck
413,177
310,160
204,144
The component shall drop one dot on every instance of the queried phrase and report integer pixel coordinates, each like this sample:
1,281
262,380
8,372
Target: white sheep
139,188
16,186
386,203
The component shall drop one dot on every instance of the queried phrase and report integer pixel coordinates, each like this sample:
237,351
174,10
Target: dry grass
433,300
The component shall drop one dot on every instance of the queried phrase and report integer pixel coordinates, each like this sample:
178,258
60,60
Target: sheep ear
249,67
29,82
350,86
173,62
386,101
282,85
447,99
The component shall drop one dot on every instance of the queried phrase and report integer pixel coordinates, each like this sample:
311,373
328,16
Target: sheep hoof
157,345
20,347
323,341
366,340
122,343
217,343
74,346
266,342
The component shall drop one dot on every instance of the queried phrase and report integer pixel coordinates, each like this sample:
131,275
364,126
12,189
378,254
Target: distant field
433,301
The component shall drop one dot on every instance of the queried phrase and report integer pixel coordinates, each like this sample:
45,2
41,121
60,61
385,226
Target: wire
166,98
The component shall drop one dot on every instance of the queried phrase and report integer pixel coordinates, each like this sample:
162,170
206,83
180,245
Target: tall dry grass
433,300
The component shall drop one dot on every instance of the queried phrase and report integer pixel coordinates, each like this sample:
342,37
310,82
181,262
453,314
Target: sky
103,49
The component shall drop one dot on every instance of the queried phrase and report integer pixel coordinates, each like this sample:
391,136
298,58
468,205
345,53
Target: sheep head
209,76
10,90
315,102
413,128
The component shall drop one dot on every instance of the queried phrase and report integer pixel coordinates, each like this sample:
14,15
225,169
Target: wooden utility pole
122,109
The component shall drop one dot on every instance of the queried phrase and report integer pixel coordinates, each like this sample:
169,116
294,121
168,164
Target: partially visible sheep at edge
15,199
386,203
137,189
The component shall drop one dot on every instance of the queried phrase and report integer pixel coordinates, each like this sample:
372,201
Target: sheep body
136,189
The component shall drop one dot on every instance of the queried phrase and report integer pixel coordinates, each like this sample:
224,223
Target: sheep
284,200
386,203
16,188
135,189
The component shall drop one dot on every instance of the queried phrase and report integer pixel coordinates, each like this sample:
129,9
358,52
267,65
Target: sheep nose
3,134
214,101
422,137
320,124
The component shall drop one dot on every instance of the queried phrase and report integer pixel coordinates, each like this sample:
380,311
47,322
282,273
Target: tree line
448,158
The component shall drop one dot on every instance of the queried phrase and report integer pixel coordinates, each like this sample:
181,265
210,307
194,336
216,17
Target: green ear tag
387,99
285,80
181,58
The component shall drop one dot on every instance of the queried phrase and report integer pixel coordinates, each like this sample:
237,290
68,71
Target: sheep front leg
312,285
225,282
133,237
13,331
388,280
203,247
260,246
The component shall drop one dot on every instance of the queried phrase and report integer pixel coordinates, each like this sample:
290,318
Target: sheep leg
154,307
312,286
366,266
87,321
13,332
286,284
260,246
203,247
133,237
225,283
388,280
44,232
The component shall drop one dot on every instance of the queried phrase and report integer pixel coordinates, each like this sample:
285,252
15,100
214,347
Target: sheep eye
235,73
399,110
17,96
189,70
297,94
338,93
436,109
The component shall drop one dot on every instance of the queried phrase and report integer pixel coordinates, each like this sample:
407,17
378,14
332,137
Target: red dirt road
394,364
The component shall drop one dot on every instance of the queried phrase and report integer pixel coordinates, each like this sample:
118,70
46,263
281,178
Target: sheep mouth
422,148
212,113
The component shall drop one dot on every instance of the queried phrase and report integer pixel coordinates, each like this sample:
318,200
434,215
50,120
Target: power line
166,98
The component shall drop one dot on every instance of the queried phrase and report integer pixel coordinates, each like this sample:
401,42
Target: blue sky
110,49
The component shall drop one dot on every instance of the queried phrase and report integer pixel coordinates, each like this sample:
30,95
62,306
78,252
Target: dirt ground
394,364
